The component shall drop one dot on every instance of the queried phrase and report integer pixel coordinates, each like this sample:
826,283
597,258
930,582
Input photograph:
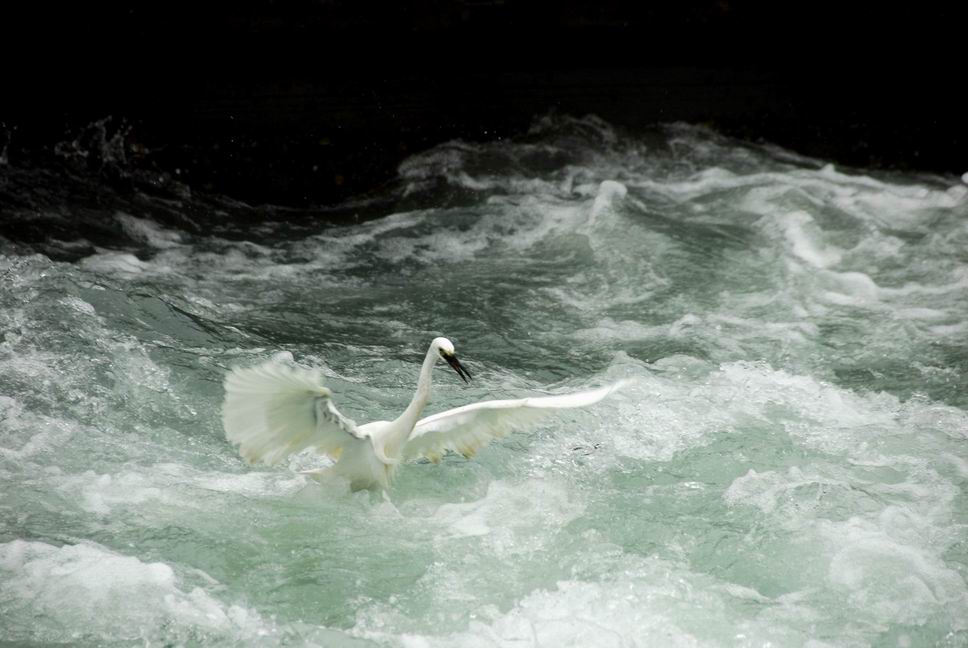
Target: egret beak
464,374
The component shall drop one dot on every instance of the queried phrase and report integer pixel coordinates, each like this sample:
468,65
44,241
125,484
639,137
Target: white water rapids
788,466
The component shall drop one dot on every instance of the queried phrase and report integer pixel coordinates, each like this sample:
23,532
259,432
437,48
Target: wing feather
274,410
467,429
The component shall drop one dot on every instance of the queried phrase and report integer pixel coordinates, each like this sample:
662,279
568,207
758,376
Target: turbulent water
787,466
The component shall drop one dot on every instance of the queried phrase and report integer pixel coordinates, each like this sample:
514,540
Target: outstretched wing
274,410
469,428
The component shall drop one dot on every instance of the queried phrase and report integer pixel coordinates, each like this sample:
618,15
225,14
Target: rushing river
787,467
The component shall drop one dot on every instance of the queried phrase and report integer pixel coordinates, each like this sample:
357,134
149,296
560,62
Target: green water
787,467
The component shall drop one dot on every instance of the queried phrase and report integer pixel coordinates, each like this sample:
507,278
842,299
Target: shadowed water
788,464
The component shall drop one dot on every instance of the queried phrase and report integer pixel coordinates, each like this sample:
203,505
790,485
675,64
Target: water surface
787,467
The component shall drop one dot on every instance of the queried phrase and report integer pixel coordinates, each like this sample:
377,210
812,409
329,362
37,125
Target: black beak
464,374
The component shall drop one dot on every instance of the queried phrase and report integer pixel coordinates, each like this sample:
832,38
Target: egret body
274,410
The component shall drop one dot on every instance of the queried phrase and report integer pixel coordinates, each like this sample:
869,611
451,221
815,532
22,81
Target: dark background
311,101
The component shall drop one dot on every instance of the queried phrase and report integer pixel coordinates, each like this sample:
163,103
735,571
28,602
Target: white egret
274,410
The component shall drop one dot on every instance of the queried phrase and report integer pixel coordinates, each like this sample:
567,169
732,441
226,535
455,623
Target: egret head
446,350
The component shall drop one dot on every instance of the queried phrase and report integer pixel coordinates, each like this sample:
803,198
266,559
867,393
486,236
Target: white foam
912,288
864,199
99,494
146,231
659,414
804,238
445,159
609,194
511,518
879,246
916,313
608,329
78,305
647,602
891,580
27,435
169,484
770,489
887,558
647,419
114,262
90,591
847,288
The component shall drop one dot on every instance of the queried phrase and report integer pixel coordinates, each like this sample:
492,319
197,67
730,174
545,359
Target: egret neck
399,430
411,415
